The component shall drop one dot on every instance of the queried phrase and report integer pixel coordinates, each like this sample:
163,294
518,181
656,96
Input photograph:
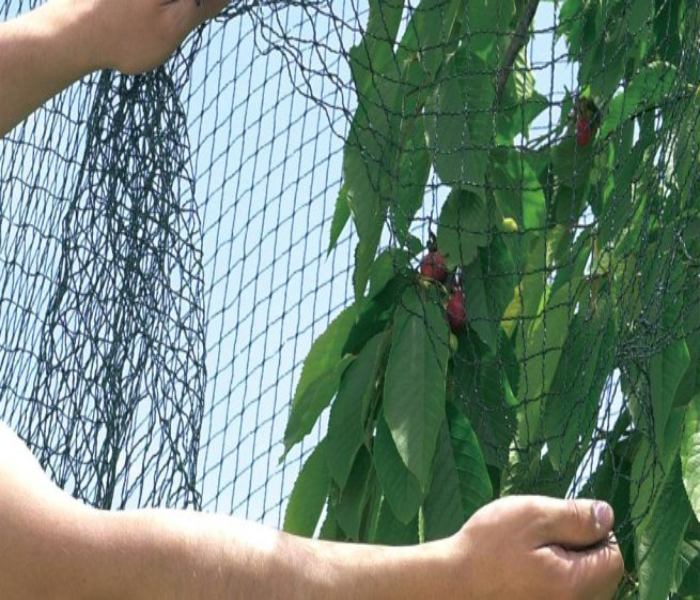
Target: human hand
532,547
134,36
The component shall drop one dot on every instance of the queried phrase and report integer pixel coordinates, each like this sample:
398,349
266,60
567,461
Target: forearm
41,53
169,554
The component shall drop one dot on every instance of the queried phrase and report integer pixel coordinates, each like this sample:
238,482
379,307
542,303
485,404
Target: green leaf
414,168
330,529
474,482
521,103
463,227
319,378
659,538
375,314
479,389
543,348
572,165
640,13
349,508
690,453
611,481
388,264
346,424
517,189
489,284
488,27
603,67
372,60
340,218
392,532
620,208
651,465
571,409
308,495
443,512
690,383
479,312
427,32
414,387
666,370
459,123
364,179
687,573
647,89
401,488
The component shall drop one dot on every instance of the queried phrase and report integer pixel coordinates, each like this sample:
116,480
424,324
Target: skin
52,546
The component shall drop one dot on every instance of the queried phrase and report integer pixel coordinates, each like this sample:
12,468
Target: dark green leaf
386,267
543,348
364,177
690,453
480,317
308,495
319,378
517,189
443,512
640,13
649,88
478,388
340,217
687,573
400,487
346,424
651,464
392,532
572,165
426,34
463,227
349,508
375,314
414,168
330,529
414,388
572,406
474,482
620,206
665,373
659,537
482,19
459,124
489,285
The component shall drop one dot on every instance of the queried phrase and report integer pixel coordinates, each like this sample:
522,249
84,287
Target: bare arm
46,50
54,547
51,546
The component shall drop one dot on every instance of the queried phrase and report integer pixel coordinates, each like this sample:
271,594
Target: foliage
570,255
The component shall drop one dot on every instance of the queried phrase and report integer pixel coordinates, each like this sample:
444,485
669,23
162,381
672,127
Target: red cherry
456,313
433,266
583,131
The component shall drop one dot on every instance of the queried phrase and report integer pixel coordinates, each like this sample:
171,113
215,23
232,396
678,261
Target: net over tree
358,268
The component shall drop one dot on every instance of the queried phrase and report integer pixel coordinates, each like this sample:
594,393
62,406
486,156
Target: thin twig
520,37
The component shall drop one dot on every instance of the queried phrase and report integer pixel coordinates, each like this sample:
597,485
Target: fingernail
603,514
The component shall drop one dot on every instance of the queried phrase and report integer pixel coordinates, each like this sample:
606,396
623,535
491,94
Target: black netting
165,268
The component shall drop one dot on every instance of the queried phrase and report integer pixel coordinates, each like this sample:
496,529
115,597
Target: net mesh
165,262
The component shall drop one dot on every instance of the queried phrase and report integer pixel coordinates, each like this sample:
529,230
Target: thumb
576,524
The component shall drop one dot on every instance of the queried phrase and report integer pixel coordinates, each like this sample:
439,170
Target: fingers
574,524
208,9
594,573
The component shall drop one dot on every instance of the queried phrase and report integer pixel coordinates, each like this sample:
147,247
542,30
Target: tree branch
520,37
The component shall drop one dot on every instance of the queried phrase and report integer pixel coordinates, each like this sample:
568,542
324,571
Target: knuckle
578,514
